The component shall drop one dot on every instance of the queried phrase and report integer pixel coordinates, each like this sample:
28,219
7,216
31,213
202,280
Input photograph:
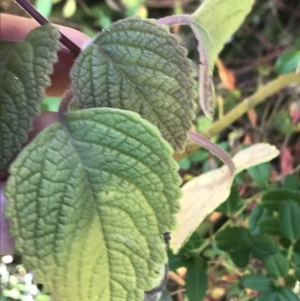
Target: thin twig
259,96
30,9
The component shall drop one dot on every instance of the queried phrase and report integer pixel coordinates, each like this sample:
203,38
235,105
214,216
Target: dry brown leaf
226,75
205,193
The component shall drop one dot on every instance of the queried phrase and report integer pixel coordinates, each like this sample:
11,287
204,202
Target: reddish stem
174,20
42,20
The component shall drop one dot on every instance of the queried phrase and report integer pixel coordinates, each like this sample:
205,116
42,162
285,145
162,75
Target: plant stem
42,20
290,251
174,20
259,96
65,103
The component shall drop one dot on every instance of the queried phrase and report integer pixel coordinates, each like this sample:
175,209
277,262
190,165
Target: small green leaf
260,173
50,104
221,18
196,280
296,253
24,74
278,294
277,265
240,258
274,198
44,7
234,239
297,273
255,217
263,247
289,218
193,243
288,61
139,66
175,261
232,203
270,225
185,164
256,282
291,182
88,202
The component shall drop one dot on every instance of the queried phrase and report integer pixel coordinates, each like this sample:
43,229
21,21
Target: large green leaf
88,202
24,74
139,66
221,18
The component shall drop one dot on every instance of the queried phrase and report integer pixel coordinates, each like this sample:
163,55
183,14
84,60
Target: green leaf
196,280
193,243
273,199
256,282
289,218
277,265
270,225
44,7
50,104
260,173
296,253
291,182
24,74
263,247
88,202
288,61
232,203
255,217
175,261
221,18
278,294
297,273
139,66
240,258
234,239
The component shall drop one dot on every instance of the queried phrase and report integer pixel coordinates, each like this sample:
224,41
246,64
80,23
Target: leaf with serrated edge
88,202
24,74
139,66
205,193
221,18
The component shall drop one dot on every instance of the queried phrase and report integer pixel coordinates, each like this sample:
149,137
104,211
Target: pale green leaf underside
221,18
24,73
206,85
88,204
138,65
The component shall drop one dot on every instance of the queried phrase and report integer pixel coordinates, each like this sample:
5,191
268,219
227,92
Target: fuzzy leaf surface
88,201
139,66
221,18
24,74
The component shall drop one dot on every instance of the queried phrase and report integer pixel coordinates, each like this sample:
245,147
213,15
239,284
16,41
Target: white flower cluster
18,284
